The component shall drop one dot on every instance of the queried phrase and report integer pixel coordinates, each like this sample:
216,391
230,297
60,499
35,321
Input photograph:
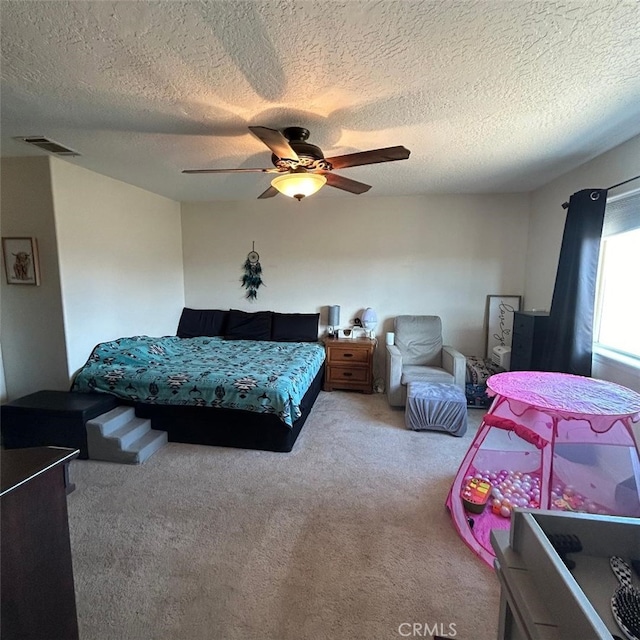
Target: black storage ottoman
52,418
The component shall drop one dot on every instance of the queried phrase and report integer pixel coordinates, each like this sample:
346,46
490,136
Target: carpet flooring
346,537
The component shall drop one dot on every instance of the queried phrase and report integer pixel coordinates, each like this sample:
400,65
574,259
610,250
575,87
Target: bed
228,378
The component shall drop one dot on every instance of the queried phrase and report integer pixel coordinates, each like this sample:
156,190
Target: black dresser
52,418
37,587
529,334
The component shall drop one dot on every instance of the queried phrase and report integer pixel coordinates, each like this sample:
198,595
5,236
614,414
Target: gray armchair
419,355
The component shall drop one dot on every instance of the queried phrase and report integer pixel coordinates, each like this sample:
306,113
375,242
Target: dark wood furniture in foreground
349,364
529,334
52,418
38,595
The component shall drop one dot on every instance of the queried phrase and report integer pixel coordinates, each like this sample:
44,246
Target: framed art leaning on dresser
499,320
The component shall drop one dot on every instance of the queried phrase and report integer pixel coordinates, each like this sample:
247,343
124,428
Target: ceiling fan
302,167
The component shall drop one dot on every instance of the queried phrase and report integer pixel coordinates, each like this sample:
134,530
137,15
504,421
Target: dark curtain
568,346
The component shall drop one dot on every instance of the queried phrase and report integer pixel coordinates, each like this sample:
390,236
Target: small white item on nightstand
502,357
370,321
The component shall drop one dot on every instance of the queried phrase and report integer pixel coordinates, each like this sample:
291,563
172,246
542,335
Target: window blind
622,214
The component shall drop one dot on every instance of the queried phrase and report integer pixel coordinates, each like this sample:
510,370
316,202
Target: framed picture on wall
21,260
500,320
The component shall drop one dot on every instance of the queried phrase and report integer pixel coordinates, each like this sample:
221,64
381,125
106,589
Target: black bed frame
230,427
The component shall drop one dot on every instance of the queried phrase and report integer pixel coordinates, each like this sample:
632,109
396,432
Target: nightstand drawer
349,374
337,356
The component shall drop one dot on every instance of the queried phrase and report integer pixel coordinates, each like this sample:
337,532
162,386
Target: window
617,318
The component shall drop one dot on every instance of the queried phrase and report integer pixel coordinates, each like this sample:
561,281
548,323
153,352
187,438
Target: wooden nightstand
349,364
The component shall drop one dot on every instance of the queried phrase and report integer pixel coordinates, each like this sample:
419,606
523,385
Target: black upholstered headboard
244,325
202,322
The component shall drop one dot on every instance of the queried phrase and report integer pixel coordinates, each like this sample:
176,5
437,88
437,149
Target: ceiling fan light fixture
299,184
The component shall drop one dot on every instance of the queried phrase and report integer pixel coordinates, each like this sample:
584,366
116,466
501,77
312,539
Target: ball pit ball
567,498
510,489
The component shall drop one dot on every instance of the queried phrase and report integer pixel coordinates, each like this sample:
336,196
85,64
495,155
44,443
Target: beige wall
123,273
32,332
110,262
120,259
547,226
416,255
548,216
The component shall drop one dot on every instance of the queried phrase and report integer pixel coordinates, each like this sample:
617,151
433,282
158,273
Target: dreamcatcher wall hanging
251,279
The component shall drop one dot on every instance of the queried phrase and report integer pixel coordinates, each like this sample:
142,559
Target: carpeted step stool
119,436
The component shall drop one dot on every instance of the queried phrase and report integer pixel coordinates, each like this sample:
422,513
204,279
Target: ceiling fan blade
346,184
369,157
269,193
274,170
275,141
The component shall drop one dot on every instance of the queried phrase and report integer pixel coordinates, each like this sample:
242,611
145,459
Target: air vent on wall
49,145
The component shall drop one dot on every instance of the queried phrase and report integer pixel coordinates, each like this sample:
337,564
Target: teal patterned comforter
259,376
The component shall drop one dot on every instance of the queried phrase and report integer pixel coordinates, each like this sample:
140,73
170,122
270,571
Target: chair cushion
419,339
415,373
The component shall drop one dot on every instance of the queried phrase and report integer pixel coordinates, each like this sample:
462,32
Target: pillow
295,327
201,322
242,325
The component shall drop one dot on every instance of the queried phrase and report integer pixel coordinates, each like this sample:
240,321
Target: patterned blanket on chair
479,370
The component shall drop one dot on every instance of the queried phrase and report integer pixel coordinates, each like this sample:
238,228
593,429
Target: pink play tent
549,441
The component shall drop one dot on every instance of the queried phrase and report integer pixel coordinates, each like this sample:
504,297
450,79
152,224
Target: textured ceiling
489,95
